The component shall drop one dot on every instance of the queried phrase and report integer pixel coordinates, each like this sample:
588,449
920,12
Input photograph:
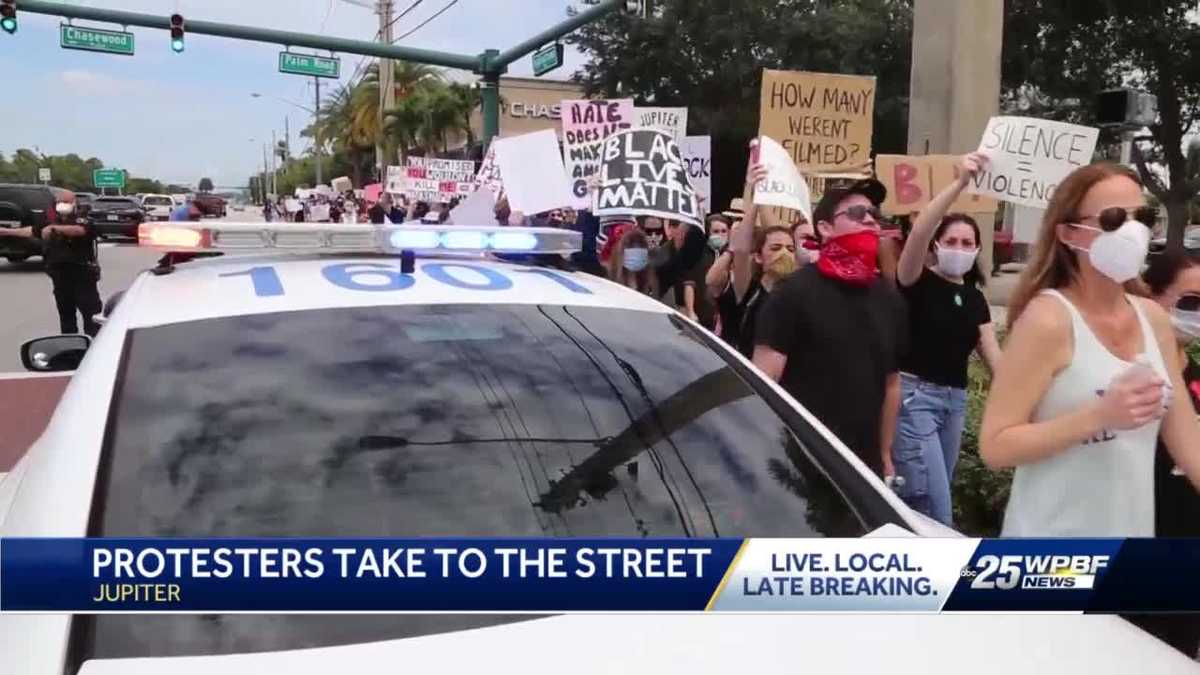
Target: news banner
96,575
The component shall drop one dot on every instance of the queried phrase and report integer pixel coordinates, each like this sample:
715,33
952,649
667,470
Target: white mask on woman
1120,254
955,262
1186,324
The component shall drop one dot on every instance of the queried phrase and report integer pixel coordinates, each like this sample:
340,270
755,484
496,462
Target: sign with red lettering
824,121
586,123
912,181
438,180
1030,157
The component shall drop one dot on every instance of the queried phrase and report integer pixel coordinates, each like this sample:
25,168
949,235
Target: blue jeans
928,435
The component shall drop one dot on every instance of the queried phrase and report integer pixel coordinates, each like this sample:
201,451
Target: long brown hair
1053,264
645,281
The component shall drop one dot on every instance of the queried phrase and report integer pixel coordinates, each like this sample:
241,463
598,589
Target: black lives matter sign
642,173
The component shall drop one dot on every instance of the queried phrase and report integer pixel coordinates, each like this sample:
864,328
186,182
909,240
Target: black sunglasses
859,213
1188,303
653,231
1114,217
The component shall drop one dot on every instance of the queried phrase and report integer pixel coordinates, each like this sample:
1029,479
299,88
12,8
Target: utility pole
265,170
317,127
274,174
387,83
287,141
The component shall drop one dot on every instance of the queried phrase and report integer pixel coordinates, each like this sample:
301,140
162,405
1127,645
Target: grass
980,494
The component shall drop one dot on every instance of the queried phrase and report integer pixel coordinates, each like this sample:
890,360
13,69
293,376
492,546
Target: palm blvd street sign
307,64
95,40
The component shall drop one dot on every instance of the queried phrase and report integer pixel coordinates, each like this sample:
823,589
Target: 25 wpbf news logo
1035,572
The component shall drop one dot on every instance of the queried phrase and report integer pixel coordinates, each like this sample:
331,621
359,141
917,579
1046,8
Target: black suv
115,216
26,206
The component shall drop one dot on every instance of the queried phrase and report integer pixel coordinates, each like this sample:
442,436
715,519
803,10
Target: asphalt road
28,306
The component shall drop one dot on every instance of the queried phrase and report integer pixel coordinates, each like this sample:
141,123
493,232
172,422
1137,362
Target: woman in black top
948,319
1174,281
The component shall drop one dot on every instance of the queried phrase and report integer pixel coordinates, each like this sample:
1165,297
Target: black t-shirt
1176,502
841,342
60,250
747,316
944,321
376,213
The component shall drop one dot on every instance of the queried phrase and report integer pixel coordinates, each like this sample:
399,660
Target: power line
426,21
405,13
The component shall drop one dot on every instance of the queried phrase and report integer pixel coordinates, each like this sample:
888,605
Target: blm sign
642,173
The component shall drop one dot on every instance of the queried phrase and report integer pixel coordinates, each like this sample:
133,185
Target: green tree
1058,56
708,55
206,185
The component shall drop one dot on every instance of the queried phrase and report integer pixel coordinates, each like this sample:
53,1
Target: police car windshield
462,420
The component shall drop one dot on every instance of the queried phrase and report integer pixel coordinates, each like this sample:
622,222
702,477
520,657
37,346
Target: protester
948,319
655,231
629,264
380,210
1174,282
718,233
1077,401
685,272
833,333
612,228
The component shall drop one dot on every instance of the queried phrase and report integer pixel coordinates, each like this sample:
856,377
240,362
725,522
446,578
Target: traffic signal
8,16
177,33
1126,108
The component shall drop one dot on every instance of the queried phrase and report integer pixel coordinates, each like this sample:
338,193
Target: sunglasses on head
1114,217
859,213
1188,303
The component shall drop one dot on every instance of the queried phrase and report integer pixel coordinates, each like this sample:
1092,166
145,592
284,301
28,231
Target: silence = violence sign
1030,157
823,120
642,173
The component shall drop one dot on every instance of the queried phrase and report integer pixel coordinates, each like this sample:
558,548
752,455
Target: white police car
334,383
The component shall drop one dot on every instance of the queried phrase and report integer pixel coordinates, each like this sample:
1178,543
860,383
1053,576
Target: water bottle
894,482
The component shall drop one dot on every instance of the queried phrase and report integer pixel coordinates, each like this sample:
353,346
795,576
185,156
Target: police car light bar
309,237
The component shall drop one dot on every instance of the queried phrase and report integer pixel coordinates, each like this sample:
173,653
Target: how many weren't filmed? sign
824,121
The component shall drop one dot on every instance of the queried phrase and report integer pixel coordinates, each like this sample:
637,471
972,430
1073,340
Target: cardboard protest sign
341,184
823,121
394,183
585,126
318,213
783,186
488,175
643,174
534,178
438,180
697,157
670,120
912,181
1030,157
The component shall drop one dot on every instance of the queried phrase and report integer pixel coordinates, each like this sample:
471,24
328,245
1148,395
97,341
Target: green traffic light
9,24
177,45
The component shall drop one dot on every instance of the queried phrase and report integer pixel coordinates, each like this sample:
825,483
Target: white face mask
1120,254
955,262
1186,324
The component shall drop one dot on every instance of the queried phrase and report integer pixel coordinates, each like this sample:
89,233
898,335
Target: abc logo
968,573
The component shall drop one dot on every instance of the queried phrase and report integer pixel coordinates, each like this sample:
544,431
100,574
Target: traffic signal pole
489,65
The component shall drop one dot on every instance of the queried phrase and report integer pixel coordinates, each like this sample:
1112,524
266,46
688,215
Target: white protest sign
1030,157
342,184
477,209
671,120
534,178
642,174
585,126
395,180
489,173
318,213
697,156
292,205
324,190
438,180
783,186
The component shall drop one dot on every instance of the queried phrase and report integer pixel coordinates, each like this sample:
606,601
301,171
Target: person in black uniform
71,263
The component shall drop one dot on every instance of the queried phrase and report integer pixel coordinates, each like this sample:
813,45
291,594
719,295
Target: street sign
310,65
547,59
95,40
109,178
44,175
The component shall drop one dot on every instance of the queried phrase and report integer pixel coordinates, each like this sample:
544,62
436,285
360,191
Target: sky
178,117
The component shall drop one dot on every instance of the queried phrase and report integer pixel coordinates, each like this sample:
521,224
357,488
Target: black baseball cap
867,187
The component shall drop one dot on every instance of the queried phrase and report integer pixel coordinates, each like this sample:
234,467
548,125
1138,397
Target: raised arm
912,257
741,238
718,275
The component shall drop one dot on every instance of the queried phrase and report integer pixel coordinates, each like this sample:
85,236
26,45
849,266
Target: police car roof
266,283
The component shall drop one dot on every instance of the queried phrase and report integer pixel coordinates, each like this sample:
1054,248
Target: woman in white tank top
1088,378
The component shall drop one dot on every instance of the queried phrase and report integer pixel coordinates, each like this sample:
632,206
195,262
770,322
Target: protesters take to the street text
629,264
833,333
948,319
1090,373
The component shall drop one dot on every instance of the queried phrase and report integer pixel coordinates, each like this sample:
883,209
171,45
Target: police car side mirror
54,354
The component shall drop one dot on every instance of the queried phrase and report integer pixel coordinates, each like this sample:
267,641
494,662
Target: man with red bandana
832,333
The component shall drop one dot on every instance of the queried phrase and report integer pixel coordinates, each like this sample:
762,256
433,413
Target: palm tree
407,79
